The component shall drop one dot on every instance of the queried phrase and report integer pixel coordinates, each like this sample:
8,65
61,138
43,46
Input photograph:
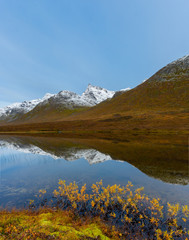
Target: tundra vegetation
111,212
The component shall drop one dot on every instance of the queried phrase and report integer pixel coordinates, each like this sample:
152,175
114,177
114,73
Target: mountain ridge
63,100
173,71
21,108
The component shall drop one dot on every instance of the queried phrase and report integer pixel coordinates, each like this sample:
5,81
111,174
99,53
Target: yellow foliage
137,212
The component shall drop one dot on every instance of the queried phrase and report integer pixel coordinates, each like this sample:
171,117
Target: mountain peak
184,59
173,71
182,62
91,87
47,95
95,94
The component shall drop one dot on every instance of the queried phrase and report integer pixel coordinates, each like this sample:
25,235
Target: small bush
135,215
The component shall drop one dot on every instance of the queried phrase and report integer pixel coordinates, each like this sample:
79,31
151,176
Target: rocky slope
174,71
166,91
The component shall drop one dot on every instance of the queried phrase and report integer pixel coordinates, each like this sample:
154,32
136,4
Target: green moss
94,231
48,225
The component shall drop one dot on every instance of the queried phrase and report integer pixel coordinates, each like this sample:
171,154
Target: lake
28,163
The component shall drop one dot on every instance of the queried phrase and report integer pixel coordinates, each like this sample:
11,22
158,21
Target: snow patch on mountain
94,95
145,80
125,89
184,61
23,107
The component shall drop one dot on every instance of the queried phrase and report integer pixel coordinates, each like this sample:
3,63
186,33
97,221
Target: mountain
158,103
174,71
15,110
69,100
63,103
166,91
67,103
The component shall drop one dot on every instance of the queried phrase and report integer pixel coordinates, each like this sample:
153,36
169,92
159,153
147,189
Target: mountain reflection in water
164,159
69,154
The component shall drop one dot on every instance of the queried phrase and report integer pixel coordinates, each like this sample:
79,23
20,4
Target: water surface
32,163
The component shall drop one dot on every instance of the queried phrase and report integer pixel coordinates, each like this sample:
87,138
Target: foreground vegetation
112,212
49,224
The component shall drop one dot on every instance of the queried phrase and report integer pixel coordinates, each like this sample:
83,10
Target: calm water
29,164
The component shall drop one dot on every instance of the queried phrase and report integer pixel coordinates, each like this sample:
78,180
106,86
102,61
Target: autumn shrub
132,213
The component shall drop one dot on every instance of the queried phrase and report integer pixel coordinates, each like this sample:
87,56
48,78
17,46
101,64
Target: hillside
166,91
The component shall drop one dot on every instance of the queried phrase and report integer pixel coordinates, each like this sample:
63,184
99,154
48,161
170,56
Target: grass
151,122
52,113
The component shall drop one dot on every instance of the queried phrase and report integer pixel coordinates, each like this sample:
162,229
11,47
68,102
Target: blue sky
48,46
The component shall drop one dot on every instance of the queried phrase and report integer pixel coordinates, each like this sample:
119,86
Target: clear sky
54,45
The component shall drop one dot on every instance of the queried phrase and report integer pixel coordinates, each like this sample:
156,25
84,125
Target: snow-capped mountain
94,95
16,109
91,97
64,100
